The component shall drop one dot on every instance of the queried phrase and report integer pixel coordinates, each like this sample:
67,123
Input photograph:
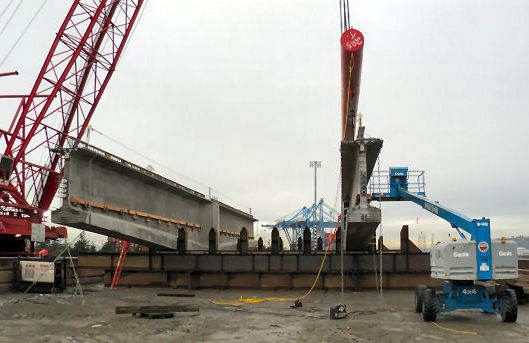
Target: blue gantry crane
474,257
317,218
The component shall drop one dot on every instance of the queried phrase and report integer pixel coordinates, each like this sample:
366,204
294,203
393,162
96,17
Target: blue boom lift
460,262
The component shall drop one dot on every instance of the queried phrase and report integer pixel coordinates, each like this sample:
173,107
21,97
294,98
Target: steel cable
10,18
9,5
23,32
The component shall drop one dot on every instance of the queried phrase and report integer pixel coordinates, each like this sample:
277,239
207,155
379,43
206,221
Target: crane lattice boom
59,107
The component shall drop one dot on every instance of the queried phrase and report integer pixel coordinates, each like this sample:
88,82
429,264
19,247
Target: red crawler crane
57,111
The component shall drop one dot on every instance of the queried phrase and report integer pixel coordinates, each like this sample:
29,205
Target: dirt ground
63,319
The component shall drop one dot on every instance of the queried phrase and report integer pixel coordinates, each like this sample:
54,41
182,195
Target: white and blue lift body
474,257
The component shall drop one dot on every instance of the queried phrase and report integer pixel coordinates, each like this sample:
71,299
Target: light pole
315,165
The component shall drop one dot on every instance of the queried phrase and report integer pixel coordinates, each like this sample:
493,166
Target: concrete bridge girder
108,195
358,159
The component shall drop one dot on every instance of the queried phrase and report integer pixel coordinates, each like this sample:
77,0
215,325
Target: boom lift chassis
460,262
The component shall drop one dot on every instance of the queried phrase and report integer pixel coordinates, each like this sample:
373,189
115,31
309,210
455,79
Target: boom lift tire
430,305
419,296
509,313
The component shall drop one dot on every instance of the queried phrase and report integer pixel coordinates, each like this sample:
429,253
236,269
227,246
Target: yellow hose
260,300
454,330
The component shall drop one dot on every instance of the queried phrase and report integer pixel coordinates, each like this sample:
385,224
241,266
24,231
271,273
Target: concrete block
365,263
523,264
274,280
312,263
335,263
96,261
244,280
6,276
180,263
367,281
334,281
237,263
143,279
401,264
178,279
306,281
419,263
213,280
260,263
156,262
368,263
411,280
107,279
289,263
209,263
389,263
275,263
5,287
90,280
136,262
7,263
85,272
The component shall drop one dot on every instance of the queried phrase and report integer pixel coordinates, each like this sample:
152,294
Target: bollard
381,243
338,240
181,243
275,242
320,244
306,241
212,241
372,247
404,238
242,245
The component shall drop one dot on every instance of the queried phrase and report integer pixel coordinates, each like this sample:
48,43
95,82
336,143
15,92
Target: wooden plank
6,276
5,287
156,315
149,216
7,263
90,280
85,272
94,261
156,309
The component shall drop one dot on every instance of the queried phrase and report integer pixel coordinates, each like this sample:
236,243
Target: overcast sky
240,95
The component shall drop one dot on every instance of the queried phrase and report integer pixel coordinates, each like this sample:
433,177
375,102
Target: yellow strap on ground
454,330
256,301
232,303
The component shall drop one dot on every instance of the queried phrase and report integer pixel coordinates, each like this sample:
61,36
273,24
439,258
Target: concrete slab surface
62,319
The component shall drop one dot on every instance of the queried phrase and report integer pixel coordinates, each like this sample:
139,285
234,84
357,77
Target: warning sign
483,246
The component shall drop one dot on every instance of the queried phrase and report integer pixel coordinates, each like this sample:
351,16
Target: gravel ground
62,318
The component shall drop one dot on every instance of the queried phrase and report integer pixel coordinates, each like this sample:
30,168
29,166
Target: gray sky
240,95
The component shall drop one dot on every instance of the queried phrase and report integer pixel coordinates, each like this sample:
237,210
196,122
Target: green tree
107,247
82,245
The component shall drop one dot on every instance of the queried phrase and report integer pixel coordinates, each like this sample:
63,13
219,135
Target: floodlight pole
315,165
